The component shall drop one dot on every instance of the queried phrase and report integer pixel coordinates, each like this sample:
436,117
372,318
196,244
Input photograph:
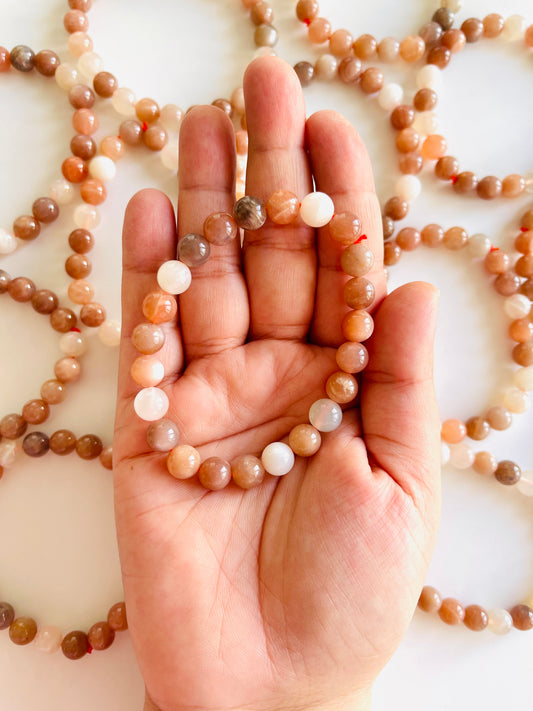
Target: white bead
516,400
461,456
151,404
429,77
174,276
278,458
317,209
265,52
525,483
426,122
66,76
444,454
325,415
72,344
408,187
170,117
170,156
61,191
514,28
452,5
478,246
8,453
109,333
517,306
89,64
500,621
390,96
529,181
87,217
326,67
102,168
123,101
523,378
48,639
8,242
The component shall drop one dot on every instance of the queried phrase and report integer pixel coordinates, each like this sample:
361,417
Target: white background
58,556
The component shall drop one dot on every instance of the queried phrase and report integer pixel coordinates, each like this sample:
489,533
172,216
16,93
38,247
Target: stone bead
26,227
412,48
489,187
265,35
453,40
357,260
46,62
83,147
307,10
527,290
79,43
429,77
359,293
507,283
507,472
81,96
425,100
446,167
7,615
123,101
477,428
305,72
86,216
365,46
183,461
521,330
432,235
75,645
430,599
112,147
5,62
22,630
352,357
340,43
159,308
45,210
93,191
66,76
74,169
282,207
523,378
35,411
102,168
89,446
349,70
116,617
522,617
478,246
319,30
325,415
21,289
444,17
53,392
193,249
408,239
402,117
497,262
4,281
62,442
174,276
439,56
78,266
249,213
48,639
515,399
476,618
387,225
241,142
67,370
357,325
528,36
453,431
434,147
106,457
13,426
304,440
35,444
214,473
396,208
22,58
130,132
8,453
484,463
147,338
427,123
151,404
171,116
514,28
388,49
344,228
451,611
162,435
455,238
431,32
220,228
493,25
80,291
516,306
500,621
524,266
277,458
155,138
85,121
147,110
341,387
170,156
473,29
461,456
75,21
525,487
410,163
8,243
101,636
147,371
89,64
63,319
371,80
105,84
247,471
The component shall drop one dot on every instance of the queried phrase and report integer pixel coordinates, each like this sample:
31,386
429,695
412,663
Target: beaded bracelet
174,277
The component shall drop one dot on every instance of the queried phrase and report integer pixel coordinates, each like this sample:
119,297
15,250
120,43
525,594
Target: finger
149,238
398,406
214,309
280,260
342,169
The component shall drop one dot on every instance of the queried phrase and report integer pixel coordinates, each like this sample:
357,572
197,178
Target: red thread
454,179
360,239
524,229
89,649
76,330
494,249
307,21
144,126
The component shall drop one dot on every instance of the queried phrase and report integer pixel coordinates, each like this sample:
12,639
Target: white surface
58,555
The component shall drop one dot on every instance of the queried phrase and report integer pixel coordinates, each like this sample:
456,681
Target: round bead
304,440
451,611
430,599
461,456
317,209
170,156
476,618
282,207
22,58
500,621
183,461
13,426
162,435
193,250
22,630
116,617
220,228
344,228
66,76
516,306
8,453
523,378
429,77
8,243
357,325
147,371
109,333
325,415
357,259
48,639
247,471
250,213
101,636
484,463
174,276
507,472
87,217
147,338
170,117
408,187
75,645
478,246
151,404
63,442
89,446
123,101
277,458
214,473
341,387
390,96
514,28
35,444
516,400
159,308
352,357
7,615
72,344
61,191
359,293
525,483
102,168
67,370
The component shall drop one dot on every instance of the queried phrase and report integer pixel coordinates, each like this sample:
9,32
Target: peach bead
352,357
67,370
357,259
53,392
183,461
365,46
241,142
349,70
307,10
407,140
80,291
147,110
359,293
453,431
159,308
214,473
147,371
93,191
513,185
340,43
455,238
451,611
74,169
341,387
112,147
283,207
430,599
485,463
357,325
319,30
371,80
344,228
412,48
493,25
92,314
147,338
434,147
521,330
85,121
247,471
304,440
79,43
388,49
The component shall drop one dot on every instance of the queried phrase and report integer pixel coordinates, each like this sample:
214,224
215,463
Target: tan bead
44,301
434,147
101,636
67,370
63,442
453,431
388,49
247,471
341,387
159,308
92,315
283,207
489,187
183,461
524,242
224,105
105,84
522,617
155,138
265,35
391,254
352,357
26,227
349,70
81,241
89,446
507,472
13,426
446,167
430,599
407,140
81,96
214,473
22,630
387,225
476,618
439,56
473,29
466,182
83,147
484,463
147,110
412,48
75,644
497,262
371,80
527,289
499,418
241,142
147,338
425,99
477,428
116,617
524,266
307,10
359,293
432,235
340,43
93,191
454,40
451,611
21,289
63,320
45,210
78,266
35,411
410,163
130,132
365,46
75,21
513,185
261,13
408,239
455,238
396,208
401,117
357,325
305,72
523,354
521,330
357,259
106,457
304,440
507,283
53,392
493,25
46,62
112,147
85,121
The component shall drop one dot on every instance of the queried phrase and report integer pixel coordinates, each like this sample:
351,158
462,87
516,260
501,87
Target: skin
295,594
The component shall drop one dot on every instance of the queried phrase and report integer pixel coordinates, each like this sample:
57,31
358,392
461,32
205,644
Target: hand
292,595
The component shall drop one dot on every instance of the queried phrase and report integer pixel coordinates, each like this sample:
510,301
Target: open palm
294,594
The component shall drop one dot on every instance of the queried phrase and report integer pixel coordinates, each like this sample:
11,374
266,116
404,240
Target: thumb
398,406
